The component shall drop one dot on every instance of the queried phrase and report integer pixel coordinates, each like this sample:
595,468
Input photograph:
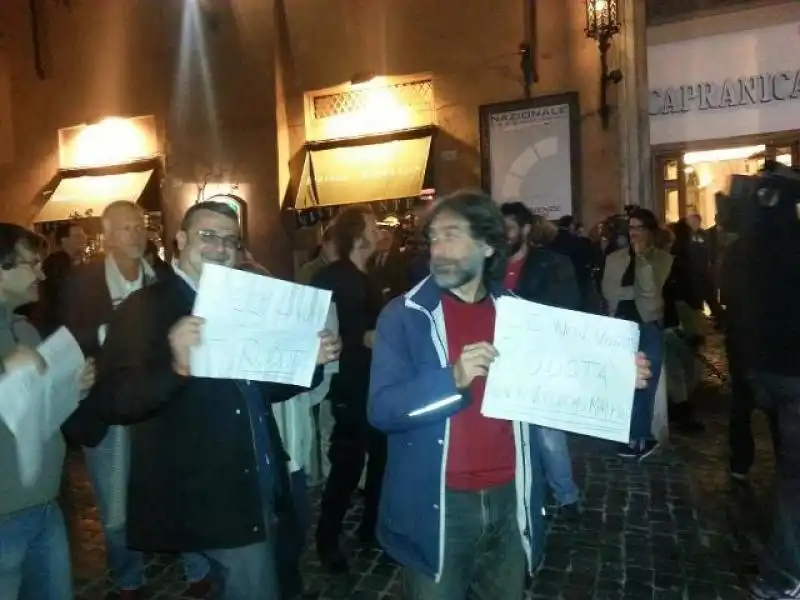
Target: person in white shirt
92,294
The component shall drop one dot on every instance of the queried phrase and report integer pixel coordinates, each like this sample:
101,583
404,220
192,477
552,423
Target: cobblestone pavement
671,528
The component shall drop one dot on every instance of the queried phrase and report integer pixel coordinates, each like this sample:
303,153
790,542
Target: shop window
784,156
672,204
376,106
670,170
410,95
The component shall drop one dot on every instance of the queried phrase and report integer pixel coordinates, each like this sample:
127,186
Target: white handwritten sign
562,369
34,405
64,360
257,327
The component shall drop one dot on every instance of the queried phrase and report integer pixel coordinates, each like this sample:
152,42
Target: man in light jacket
298,432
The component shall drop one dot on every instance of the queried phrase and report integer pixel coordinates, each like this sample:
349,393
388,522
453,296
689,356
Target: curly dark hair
348,227
485,222
12,237
647,218
521,214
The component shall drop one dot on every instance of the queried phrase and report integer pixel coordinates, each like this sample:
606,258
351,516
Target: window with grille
373,109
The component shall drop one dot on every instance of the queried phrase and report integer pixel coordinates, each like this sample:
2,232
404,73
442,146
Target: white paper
562,369
660,423
64,360
257,327
21,396
34,405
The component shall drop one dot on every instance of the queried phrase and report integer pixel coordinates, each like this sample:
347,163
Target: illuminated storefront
367,142
101,163
724,97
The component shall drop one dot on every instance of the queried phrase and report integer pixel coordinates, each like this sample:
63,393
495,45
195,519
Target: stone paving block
671,528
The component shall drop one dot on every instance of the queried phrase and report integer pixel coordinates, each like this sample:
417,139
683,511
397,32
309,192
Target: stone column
636,185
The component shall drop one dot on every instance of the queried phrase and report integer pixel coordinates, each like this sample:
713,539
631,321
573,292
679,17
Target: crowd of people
217,471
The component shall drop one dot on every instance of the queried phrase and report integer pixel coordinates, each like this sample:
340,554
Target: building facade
724,97
229,86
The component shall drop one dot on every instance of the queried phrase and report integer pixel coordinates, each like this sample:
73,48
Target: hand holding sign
87,376
23,356
643,373
474,362
329,348
184,335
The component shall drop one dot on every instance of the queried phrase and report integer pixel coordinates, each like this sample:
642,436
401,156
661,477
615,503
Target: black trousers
743,403
711,297
780,563
353,441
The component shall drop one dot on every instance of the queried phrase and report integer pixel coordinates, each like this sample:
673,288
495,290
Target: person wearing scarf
633,283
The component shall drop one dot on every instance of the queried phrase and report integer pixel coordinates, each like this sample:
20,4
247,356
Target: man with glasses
208,472
34,553
91,295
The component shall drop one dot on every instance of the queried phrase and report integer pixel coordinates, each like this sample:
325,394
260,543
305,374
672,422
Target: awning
88,195
363,173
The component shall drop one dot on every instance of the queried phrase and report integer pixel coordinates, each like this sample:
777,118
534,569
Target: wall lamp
363,80
602,24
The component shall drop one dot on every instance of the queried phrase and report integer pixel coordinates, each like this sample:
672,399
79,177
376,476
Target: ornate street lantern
602,24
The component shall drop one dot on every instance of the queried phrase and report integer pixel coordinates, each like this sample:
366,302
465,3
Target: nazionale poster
530,158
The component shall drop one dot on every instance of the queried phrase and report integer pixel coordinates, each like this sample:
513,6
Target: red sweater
513,269
481,453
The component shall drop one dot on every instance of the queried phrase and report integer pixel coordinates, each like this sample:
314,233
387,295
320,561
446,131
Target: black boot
331,557
684,419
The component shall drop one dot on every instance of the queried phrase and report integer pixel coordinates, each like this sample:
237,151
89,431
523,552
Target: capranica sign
750,90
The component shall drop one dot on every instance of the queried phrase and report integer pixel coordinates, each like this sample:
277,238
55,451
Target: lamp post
602,24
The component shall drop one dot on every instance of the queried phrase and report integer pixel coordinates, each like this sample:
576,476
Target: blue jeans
126,565
557,464
34,555
245,573
780,563
651,342
483,554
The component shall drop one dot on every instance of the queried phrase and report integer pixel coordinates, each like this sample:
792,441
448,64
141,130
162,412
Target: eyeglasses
212,238
31,263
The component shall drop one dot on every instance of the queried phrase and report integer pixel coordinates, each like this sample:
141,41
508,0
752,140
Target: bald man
90,296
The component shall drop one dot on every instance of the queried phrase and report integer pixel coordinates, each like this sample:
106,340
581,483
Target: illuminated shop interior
100,163
368,141
709,171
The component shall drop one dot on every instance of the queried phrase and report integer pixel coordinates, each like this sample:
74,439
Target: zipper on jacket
446,445
527,532
250,422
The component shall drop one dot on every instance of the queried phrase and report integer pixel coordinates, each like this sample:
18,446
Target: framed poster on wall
530,153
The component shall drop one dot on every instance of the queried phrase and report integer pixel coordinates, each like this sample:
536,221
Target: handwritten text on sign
562,369
257,327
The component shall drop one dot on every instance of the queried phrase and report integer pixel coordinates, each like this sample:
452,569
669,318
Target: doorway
687,179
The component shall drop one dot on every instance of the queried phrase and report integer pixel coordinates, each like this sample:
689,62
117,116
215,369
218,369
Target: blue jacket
412,397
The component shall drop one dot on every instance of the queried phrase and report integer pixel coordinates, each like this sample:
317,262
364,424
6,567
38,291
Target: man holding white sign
34,553
208,471
462,500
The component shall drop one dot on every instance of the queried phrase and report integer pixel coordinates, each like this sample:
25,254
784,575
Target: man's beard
450,274
514,246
